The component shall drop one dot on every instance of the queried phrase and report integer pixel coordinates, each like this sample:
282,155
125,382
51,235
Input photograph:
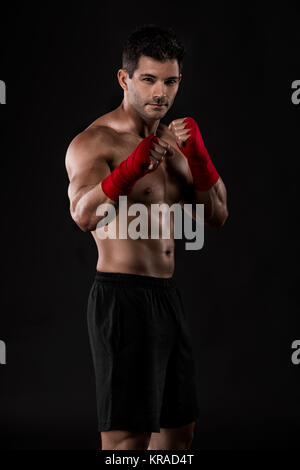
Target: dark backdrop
60,69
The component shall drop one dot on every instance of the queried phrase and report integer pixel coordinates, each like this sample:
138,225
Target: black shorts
142,353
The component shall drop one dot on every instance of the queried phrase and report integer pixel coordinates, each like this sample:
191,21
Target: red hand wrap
203,171
122,179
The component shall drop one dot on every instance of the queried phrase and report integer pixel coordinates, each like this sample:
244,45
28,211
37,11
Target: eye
148,78
171,82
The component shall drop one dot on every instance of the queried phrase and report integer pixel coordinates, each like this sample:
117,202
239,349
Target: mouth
157,105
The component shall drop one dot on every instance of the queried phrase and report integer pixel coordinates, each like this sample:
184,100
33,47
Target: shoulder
96,141
93,136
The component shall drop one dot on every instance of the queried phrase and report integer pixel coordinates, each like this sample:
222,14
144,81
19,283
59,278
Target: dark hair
152,41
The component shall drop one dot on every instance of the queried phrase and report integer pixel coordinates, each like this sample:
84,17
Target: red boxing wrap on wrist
122,179
203,171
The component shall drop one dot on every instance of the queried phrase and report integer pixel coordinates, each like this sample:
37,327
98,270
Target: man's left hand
181,133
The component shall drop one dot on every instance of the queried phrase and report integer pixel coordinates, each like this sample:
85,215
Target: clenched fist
190,142
161,150
181,133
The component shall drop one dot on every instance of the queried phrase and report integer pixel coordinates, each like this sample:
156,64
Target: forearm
215,203
116,183
84,207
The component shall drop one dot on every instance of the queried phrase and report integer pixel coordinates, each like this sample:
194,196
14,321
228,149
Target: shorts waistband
135,279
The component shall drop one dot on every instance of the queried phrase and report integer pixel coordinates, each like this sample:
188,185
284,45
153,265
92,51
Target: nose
159,92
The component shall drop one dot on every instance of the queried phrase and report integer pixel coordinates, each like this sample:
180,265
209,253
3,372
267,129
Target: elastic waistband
135,279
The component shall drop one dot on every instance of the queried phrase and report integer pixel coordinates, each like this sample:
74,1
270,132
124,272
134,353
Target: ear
122,76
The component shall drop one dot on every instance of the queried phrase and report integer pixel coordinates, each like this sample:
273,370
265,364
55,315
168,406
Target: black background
60,67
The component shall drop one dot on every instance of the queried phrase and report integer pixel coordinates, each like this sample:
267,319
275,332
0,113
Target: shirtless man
138,329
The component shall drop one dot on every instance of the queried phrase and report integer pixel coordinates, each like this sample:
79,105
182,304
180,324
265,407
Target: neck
135,123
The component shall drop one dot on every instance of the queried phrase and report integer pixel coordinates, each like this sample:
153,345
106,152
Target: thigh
146,334
180,402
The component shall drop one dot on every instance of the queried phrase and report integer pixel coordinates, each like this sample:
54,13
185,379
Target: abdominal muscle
150,257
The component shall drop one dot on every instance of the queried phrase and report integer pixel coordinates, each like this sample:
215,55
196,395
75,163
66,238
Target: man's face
153,83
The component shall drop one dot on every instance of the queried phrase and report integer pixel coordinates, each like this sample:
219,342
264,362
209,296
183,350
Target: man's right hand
145,158
161,150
